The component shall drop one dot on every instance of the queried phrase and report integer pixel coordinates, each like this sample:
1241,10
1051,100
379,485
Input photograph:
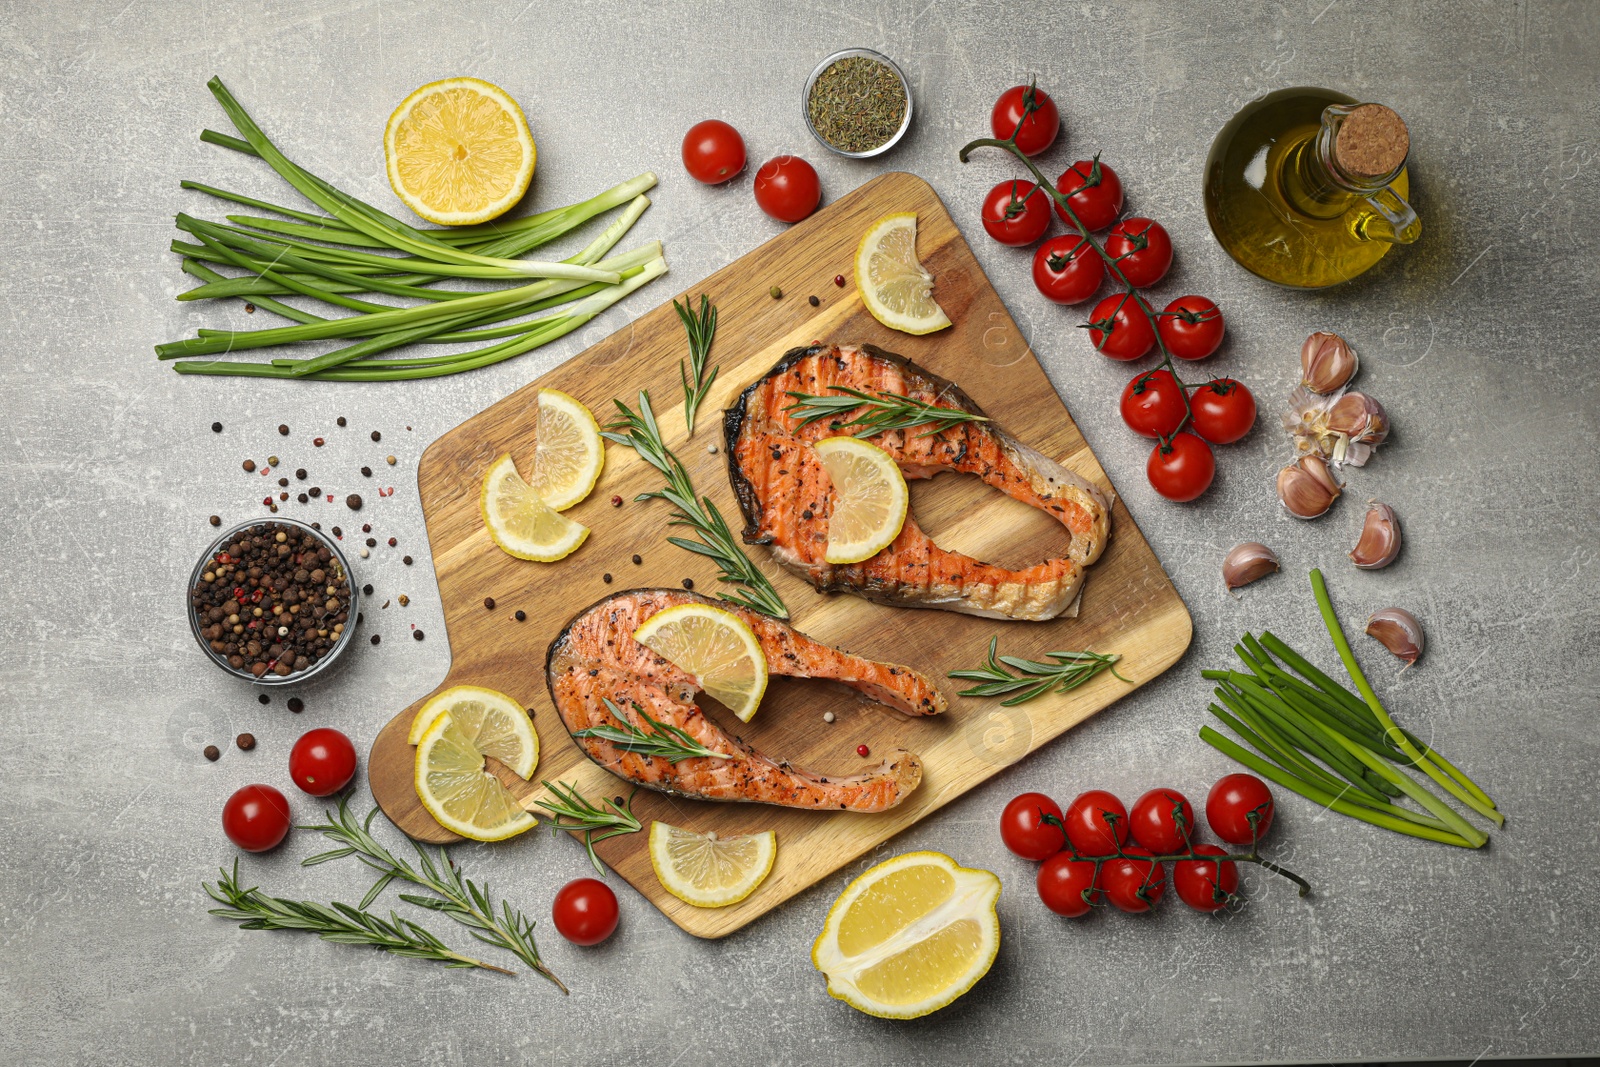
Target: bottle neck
1316,183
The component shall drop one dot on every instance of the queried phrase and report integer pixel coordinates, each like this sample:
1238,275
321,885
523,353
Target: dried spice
857,104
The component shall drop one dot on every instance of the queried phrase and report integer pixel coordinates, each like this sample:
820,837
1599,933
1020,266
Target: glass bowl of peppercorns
273,602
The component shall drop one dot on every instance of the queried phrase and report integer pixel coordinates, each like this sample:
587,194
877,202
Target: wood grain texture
1129,605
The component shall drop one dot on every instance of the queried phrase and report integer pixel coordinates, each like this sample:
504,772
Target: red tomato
1222,411
256,818
1067,886
1206,885
1016,212
1152,403
1120,327
1142,249
1191,327
322,762
787,188
713,152
1153,824
1023,829
1067,269
1182,468
1131,883
585,911
1231,804
1093,191
1090,830
1030,113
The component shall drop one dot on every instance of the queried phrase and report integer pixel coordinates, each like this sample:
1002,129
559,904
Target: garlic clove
1360,418
1379,542
1307,487
1247,562
1399,631
1327,362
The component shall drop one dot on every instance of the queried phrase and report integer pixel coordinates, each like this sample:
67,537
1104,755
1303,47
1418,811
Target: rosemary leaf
571,811
701,327
1070,670
879,414
671,743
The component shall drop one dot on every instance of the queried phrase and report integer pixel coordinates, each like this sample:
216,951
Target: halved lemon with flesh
568,453
890,278
459,792
459,151
492,722
520,522
869,501
910,936
709,871
716,647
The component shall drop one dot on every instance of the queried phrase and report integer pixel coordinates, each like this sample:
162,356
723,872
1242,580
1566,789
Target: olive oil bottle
1307,188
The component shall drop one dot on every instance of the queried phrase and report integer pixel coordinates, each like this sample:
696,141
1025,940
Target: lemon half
492,723
716,647
891,280
521,523
459,792
870,498
710,871
459,151
568,454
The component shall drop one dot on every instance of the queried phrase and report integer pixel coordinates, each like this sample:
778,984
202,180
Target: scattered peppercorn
775,293
296,705
711,450
392,542
404,600
284,495
216,427
249,308
272,461
284,430
300,474
302,498
338,532
406,560
390,460
216,520
416,635
366,472
814,302
376,436
317,441
283,481
353,501
521,616
316,490
827,716
606,577
372,542
838,279
245,742
374,638
488,603
863,750
637,558
340,420
212,753
264,698
249,466
688,583
616,501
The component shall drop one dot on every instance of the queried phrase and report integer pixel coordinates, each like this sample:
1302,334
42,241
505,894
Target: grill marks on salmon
596,659
787,498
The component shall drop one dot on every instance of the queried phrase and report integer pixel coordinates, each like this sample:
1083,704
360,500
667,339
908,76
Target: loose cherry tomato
1232,803
1067,886
1132,883
1182,468
1023,829
322,762
1067,269
1153,824
1090,830
1120,327
1029,112
787,188
1206,885
1223,411
1142,249
1191,327
1093,191
1016,212
1152,403
713,152
256,818
585,911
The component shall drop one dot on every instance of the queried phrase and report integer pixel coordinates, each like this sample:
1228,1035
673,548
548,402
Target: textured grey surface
1479,340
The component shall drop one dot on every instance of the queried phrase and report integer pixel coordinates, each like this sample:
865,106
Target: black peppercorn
283,429
376,436
521,616
340,420
338,532
296,705
315,490
211,752
488,602
366,472
353,501
216,520
416,635
283,481
406,560
372,542
264,698
374,638
813,301
688,583
216,427
245,741
606,578
300,474
302,498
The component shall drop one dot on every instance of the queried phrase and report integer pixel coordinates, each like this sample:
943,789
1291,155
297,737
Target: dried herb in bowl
857,104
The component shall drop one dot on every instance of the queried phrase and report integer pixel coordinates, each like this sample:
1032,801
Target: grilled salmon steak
595,660
787,498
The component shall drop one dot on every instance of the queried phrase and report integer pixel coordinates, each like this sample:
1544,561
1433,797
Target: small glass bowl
323,665
848,53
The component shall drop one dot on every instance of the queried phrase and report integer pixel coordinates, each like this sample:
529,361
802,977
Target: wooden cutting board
1129,605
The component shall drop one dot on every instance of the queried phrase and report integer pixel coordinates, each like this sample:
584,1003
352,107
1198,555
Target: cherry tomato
256,818
1182,468
1032,108
322,762
1067,269
1067,886
1206,885
1154,826
713,152
1131,883
1120,327
1088,827
1093,191
1223,411
1016,212
1152,403
1232,802
787,188
585,911
1142,249
1191,327
1024,830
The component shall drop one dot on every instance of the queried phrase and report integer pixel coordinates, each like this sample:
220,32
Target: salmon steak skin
787,498
595,660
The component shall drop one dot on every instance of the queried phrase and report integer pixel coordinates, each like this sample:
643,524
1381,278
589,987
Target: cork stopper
1372,142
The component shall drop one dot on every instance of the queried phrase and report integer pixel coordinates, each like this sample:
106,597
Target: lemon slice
457,791
910,936
568,453
520,522
870,497
710,871
892,283
716,647
492,723
459,151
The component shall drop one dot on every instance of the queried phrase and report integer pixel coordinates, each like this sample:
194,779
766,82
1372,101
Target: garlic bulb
1327,362
1246,562
1379,542
1399,631
1307,487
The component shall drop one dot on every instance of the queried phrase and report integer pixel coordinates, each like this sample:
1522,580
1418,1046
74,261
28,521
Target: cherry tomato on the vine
256,818
1152,403
1067,269
1016,212
322,762
1120,327
1191,327
1032,108
1182,468
713,152
1223,411
1023,829
585,911
1093,191
1133,883
787,188
1142,249
1206,885
1088,827
1153,824
1232,802
1064,883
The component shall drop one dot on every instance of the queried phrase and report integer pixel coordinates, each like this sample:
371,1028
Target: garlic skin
1345,427
1327,362
1247,562
1379,543
1307,487
1399,631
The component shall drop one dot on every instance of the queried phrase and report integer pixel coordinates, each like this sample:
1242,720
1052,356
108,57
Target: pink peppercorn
838,279
616,501
863,750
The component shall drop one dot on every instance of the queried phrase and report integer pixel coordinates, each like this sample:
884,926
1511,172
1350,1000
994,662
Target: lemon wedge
710,871
521,523
716,647
492,723
910,936
568,454
870,498
453,785
459,151
890,278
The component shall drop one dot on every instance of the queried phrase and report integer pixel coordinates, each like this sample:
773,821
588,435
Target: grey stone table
1480,340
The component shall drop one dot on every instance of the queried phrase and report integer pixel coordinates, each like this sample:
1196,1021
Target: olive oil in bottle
1306,187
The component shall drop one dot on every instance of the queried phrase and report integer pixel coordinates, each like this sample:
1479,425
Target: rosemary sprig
461,899
881,413
701,327
580,814
338,923
1070,670
639,432
671,743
